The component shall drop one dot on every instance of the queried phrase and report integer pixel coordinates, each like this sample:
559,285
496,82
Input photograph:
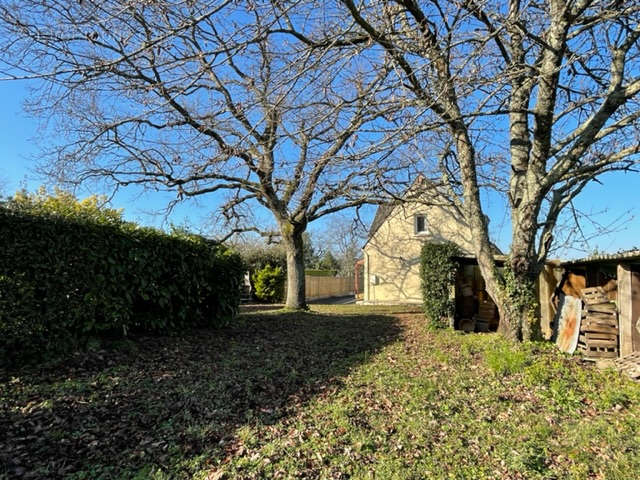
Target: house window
420,224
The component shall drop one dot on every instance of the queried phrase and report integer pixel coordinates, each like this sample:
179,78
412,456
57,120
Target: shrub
437,275
328,262
65,277
314,272
257,257
269,284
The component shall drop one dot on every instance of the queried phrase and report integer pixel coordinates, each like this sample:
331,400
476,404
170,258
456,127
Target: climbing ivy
437,273
521,305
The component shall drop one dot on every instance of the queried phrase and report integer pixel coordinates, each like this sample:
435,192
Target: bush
437,276
314,272
328,262
269,284
256,257
65,277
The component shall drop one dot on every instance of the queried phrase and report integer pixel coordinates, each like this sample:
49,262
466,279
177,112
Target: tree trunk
517,300
294,247
517,307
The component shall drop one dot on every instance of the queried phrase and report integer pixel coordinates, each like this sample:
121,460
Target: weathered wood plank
594,295
630,365
601,343
601,320
624,307
598,327
601,336
601,354
606,308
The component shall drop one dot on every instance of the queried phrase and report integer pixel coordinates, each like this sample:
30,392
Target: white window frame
425,231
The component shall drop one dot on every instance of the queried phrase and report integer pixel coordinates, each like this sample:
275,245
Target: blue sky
617,198
19,149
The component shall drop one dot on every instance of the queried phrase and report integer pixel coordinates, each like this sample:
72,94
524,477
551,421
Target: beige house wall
392,254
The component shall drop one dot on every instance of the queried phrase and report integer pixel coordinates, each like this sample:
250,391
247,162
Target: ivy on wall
437,274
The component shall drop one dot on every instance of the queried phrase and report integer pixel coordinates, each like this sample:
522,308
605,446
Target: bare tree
550,88
344,236
207,96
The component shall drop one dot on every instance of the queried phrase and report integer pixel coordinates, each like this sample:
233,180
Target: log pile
485,316
599,330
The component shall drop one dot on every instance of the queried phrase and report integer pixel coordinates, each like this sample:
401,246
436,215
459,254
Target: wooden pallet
599,332
590,324
630,365
594,295
608,308
611,338
598,352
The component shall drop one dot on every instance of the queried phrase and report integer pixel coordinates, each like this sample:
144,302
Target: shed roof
625,255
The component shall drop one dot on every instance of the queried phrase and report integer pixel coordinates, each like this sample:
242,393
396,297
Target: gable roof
382,213
385,209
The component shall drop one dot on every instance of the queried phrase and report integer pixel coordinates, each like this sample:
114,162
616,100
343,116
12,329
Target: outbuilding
613,277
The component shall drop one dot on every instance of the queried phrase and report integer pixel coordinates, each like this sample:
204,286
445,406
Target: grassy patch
338,392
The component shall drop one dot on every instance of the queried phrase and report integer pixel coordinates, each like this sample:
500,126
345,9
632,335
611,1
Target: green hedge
316,272
63,280
437,274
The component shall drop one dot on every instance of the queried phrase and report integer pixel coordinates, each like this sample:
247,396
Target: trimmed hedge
63,280
437,275
317,272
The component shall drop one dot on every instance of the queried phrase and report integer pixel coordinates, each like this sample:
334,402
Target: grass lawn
339,392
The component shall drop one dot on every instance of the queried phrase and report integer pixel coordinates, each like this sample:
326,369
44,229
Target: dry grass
338,392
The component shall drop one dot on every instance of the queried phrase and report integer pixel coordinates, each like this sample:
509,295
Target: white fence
325,287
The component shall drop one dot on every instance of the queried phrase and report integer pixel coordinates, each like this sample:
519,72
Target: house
392,261
392,250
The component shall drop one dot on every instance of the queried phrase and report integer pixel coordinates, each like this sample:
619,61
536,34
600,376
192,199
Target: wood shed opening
475,311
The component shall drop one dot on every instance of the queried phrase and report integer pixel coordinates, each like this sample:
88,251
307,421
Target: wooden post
624,310
546,285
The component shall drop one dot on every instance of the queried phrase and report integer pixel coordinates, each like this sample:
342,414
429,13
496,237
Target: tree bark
517,307
517,300
294,247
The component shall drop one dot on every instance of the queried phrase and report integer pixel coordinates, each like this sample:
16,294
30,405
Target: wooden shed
615,278
474,309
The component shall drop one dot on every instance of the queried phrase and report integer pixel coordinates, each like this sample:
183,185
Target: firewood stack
599,326
485,316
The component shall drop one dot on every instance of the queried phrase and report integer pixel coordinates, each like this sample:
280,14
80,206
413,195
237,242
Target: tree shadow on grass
163,401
